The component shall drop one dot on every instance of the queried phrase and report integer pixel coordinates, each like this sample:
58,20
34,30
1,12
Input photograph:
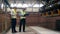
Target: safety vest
22,13
14,14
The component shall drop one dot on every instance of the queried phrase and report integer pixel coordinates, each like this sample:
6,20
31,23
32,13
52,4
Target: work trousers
13,24
22,23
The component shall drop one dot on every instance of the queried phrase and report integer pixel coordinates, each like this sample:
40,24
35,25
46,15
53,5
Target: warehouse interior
44,16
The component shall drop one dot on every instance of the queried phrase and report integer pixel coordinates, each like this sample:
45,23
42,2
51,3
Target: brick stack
5,22
35,19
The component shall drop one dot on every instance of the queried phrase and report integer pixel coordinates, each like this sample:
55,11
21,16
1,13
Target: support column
58,12
42,14
51,13
46,13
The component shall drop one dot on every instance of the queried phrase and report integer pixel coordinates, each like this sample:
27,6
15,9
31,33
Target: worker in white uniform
22,15
13,20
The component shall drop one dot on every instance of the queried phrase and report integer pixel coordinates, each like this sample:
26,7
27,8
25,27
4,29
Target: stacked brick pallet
4,22
35,19
32,19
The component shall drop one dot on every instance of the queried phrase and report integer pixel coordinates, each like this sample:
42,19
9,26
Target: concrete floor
28,31
34,30
41,30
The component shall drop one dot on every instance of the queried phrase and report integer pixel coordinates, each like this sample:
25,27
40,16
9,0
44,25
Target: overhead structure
6,2
52,9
